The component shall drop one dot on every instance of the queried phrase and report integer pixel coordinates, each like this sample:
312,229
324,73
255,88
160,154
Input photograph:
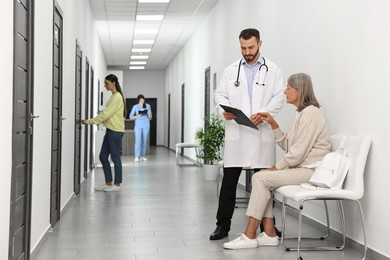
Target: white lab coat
245,146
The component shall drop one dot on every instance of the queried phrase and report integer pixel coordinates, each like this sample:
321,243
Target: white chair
353,190
180,146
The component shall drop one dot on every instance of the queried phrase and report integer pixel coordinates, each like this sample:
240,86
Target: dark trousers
112,144
227,196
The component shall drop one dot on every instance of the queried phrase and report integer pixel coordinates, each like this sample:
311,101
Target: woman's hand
267,117
256,119
273,168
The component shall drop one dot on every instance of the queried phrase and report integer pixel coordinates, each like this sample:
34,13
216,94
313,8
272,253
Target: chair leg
177,156
218,179
197,158
299,230
364,229
327,221
283,222
342,218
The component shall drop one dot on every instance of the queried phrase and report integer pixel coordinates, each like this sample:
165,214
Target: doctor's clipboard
241,118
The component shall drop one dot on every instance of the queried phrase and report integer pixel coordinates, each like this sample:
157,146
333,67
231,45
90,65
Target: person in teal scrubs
142,114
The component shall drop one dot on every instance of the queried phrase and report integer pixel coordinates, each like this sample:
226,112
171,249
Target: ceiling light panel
141,50
139,57
137,67
141,31
137,62
154,17
153,1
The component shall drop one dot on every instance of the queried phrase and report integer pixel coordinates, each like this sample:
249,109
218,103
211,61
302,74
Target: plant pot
210,172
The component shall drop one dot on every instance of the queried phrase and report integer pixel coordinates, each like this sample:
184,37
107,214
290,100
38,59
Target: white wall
6,72
75,13
151,84
342,45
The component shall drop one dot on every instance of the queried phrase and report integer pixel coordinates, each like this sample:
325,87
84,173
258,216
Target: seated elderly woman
305,144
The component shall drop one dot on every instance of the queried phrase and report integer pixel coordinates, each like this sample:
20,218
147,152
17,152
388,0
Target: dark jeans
112,144
227,196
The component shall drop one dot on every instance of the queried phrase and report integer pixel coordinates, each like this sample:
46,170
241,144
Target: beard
251,58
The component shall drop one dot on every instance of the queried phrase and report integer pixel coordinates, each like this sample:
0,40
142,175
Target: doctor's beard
251,58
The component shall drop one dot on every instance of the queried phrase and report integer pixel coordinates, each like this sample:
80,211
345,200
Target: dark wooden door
206,95
86,116
77,121
56,138
91,115
22,130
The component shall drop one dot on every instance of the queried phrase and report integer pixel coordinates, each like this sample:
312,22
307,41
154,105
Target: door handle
33,116
63,118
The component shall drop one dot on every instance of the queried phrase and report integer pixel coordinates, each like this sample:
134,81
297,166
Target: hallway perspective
163,212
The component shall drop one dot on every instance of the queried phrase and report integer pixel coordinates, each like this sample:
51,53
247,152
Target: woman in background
142,114
112,117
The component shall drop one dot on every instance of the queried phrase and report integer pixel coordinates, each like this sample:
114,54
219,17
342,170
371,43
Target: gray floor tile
163,212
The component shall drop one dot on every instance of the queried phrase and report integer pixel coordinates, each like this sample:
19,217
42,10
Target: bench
180,146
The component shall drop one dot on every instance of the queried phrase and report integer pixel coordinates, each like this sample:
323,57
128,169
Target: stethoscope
237,83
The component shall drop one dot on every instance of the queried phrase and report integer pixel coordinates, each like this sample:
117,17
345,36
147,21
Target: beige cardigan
307,141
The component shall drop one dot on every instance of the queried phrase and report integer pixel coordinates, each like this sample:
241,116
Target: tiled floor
162,213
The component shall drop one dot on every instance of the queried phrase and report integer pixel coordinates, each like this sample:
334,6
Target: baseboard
40,244
371,254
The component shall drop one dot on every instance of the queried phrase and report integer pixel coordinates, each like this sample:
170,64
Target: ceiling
117,27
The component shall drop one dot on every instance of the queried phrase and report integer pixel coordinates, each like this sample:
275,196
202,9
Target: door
206,95
183,99
91,127
56,137
77,124
86,116
169,120
22,129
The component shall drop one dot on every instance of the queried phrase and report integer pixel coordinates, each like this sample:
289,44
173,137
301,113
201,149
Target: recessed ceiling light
143,41
149,17
141,50
139,57
137,62
153,1
137,67
146,31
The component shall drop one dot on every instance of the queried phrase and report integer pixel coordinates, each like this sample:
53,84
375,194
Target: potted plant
211,142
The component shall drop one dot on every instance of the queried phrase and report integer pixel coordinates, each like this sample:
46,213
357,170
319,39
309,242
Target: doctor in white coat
252,84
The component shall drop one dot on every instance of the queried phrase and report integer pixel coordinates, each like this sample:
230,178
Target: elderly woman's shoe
241,242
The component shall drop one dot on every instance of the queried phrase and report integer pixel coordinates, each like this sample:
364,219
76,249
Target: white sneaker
113,188
241,242
136,159
101,188
143,159
264,240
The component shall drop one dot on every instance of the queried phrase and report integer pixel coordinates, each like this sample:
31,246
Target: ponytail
113,78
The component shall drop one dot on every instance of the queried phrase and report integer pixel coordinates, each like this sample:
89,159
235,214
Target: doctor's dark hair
302,83
140,96
114,79
249,33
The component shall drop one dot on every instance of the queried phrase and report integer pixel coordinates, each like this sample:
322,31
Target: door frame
29,118
77,122
53,221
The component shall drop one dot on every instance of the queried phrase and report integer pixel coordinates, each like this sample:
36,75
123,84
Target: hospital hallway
163,212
